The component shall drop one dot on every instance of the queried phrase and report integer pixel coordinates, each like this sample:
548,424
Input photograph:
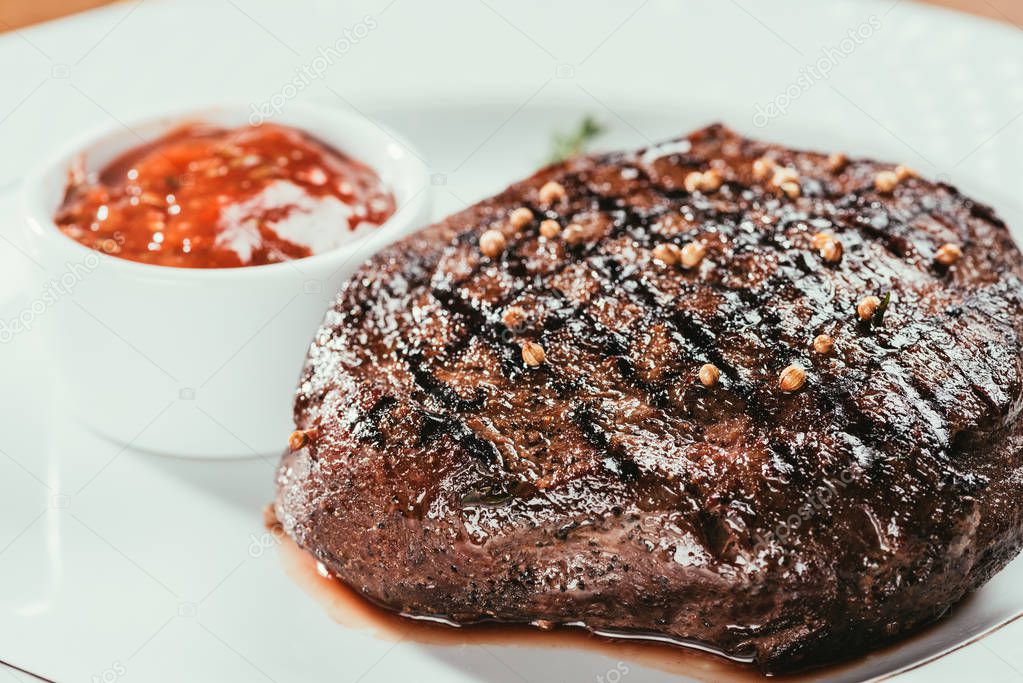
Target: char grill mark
582,327
706,344
367,428
775,345
474,487
638,228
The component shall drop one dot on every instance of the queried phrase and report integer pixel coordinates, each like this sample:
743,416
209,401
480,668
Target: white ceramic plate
116,564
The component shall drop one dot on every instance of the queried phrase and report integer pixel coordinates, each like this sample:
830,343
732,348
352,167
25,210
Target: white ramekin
201,362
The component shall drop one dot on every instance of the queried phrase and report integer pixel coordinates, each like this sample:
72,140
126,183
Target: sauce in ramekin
207,197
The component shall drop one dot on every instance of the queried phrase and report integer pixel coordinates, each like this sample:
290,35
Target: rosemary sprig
565,145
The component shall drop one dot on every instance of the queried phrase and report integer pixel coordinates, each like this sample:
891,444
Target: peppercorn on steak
716,390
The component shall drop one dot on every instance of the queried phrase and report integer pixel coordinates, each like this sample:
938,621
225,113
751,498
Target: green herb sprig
566,145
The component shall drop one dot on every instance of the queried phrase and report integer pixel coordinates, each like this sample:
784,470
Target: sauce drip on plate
351,610
207,197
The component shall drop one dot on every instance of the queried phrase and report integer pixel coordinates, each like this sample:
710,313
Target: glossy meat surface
609,486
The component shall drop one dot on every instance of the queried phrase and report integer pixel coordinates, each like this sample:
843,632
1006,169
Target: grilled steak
683,414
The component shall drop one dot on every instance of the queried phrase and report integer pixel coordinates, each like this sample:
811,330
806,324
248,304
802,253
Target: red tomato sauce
208,197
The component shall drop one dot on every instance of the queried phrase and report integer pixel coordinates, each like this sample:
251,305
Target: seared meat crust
608,486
